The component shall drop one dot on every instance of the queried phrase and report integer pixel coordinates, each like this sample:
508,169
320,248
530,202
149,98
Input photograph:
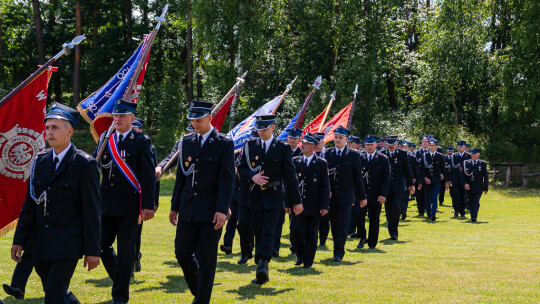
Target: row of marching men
68,215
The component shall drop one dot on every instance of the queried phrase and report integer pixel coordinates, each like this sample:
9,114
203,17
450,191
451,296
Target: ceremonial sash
124,168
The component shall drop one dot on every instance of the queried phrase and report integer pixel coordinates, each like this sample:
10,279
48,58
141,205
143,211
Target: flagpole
300,119
222,102
239,82
352,107
133,80
66,47
289,87
332,97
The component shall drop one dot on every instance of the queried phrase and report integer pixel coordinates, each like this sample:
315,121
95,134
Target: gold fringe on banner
8,227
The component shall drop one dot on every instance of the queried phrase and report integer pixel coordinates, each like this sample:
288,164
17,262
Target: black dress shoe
420,214
118,302
298,261
262,273
137,267
455,214
276,254
70,298
307,266
361,244
227,250
473,220
372,248
403,216
393,237
243,259
433,219
13,291
338,259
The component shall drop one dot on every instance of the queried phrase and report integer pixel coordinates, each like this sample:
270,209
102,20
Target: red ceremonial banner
313,126
219,119
22,133
340,119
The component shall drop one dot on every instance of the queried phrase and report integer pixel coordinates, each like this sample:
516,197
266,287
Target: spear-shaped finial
318,82
161,18
68,46
289,86
355,91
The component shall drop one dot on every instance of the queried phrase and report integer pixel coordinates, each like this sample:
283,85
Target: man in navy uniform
267,163
474,177
447,165
419,194
408,148
377,180
346,187
356,144
293,138
457,190
245,231
127,199
432,173
137,126
203,190
312,173
61,212
400,181
324,223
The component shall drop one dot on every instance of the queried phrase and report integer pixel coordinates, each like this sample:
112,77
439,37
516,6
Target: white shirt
392,152
60,155
205,136
124,135
307,160
338,151
370,156
268,142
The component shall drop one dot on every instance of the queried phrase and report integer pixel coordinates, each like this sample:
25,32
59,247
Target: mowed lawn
496,260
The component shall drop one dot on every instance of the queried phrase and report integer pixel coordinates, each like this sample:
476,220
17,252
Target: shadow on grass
368,250
228,266
392,242
473,223
10,299
300,271
174,284
103,282
250,291
171,263
331,262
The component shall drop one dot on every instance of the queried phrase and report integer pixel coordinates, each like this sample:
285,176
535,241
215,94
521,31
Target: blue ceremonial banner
100,103
241,132
284,133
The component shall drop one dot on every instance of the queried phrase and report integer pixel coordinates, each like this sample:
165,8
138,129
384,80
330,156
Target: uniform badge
314,180
189,158
479,169
252,164
257,157
186,164
395,160
131,136
299,174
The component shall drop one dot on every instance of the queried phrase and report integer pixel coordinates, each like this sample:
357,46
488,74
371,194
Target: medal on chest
123,155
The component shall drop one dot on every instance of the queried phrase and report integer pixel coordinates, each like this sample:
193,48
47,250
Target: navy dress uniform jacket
376,176
315,192
456,167
478,178
400,171
345,176
196,197
70,228
277,166
118,197
436,164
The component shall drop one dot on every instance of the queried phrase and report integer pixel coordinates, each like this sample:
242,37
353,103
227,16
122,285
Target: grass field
496,260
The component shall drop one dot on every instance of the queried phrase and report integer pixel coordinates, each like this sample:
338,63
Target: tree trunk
390,86
456,112
189,40
129,22
0,36
199,76
95,27
77,66
39,31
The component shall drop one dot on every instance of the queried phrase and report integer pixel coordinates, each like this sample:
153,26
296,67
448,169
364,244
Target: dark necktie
370,158
339,153
264,148
200,141
305,161
120,138
55,163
